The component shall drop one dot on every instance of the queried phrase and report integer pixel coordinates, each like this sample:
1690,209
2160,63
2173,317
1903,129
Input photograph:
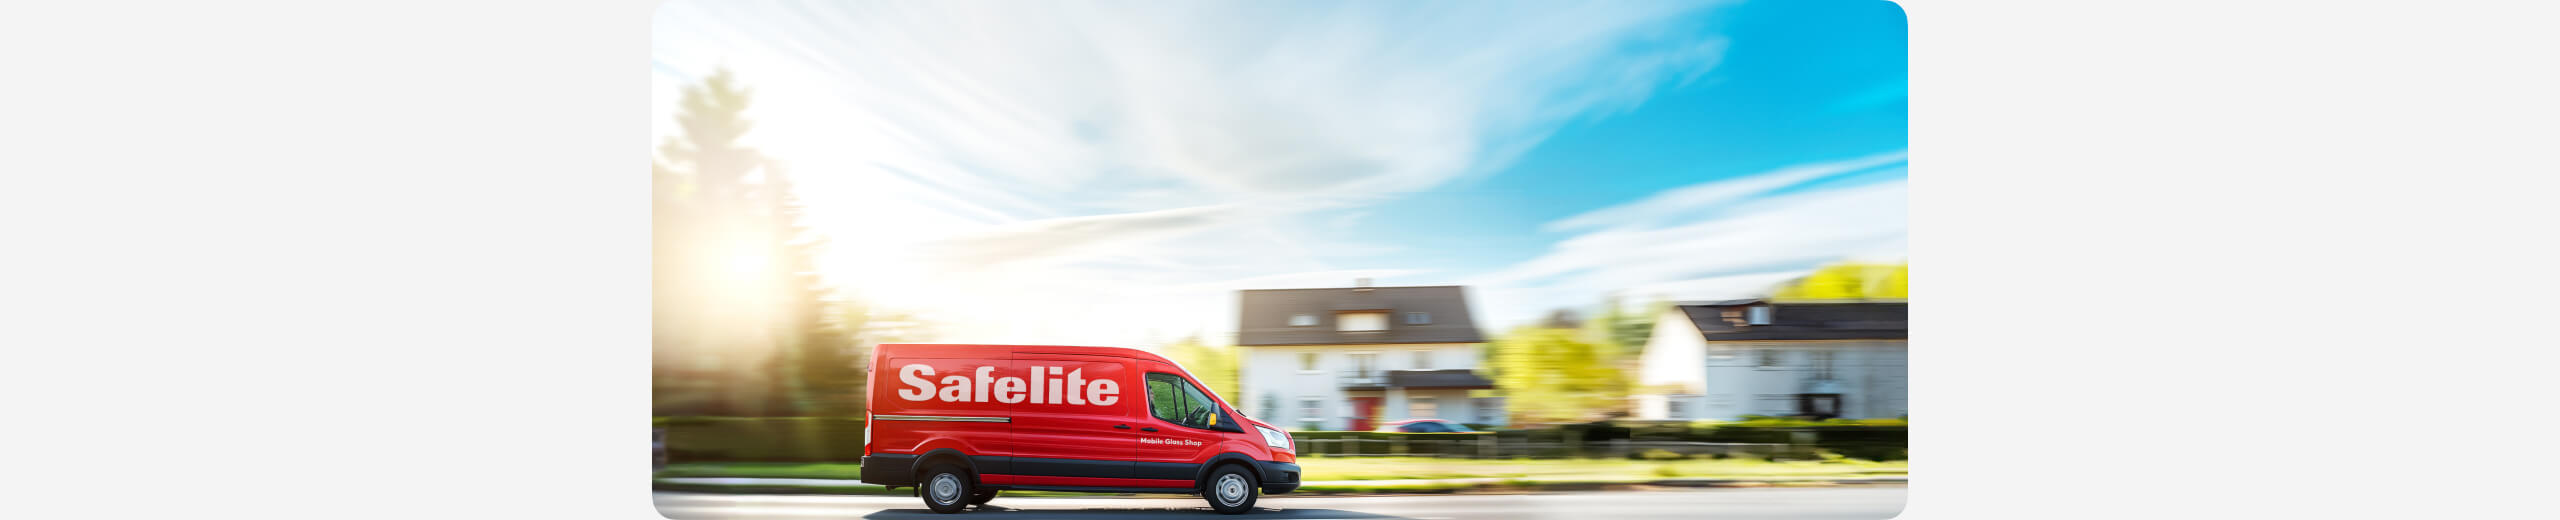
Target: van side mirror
1226,425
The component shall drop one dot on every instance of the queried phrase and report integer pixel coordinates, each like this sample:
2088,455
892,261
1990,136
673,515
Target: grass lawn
1394,468
1397,468
846,471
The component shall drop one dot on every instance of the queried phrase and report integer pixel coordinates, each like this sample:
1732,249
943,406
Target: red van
961,422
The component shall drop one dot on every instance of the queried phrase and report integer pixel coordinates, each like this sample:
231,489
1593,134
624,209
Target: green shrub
763,439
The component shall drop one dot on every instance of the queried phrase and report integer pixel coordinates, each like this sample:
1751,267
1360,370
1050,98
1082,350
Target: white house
1723,360
1349,357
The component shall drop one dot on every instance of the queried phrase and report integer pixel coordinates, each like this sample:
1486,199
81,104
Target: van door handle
1122,426
1147,429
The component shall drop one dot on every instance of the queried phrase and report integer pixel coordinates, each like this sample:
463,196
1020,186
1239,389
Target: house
1723,360
1349,357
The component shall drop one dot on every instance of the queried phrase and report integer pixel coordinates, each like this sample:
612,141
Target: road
1846,503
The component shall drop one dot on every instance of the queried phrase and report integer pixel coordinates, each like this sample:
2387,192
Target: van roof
992,350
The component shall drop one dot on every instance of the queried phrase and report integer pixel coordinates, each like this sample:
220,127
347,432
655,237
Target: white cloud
1070,159
1673,203
1721,239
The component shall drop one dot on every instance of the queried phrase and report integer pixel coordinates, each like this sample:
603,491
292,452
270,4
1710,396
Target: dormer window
1417,318
1759,315
1302,320
1361,321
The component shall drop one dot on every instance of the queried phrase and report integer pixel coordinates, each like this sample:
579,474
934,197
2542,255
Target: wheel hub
946,488
1231,489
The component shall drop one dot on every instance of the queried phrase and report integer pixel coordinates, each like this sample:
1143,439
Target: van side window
1174,400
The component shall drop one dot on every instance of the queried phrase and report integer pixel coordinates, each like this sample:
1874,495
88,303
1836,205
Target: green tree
1624,332
1847,281
1214,365
1554,374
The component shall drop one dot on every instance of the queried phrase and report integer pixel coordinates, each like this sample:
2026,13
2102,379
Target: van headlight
1276,439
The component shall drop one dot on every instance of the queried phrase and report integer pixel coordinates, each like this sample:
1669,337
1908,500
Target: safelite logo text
1043,388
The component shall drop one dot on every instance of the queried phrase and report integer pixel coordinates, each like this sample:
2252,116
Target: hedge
839,439
763,439
1869,439
1383,442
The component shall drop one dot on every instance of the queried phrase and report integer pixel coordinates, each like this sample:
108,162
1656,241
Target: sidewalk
842,486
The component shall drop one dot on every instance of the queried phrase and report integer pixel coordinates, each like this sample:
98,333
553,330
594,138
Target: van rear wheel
945,489
1232,490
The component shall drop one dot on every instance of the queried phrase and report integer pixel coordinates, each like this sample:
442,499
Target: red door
1176,438
1066,433
1362,410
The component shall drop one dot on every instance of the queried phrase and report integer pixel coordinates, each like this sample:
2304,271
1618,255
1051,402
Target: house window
1422,360
1306,361
1361,321
1678,407
1417,318
1822,364
1302,320
1768,357
1362,364
1759,315
1311,409
1423,408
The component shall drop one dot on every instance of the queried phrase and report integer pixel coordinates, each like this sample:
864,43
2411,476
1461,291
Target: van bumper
889,469
1277,477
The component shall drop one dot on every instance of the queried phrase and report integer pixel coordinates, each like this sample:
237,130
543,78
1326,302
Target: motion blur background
1613,242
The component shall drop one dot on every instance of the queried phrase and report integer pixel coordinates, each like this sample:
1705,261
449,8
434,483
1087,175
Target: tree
742,312
1847,281
1552,374
1215,366
1624,333
826,373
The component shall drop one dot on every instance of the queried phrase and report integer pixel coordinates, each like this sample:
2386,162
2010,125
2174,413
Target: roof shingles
1264,316
1802,321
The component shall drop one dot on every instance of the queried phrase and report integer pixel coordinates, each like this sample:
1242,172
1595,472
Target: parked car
1425,426
961,422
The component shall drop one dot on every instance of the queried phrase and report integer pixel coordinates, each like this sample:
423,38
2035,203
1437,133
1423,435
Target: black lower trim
1165,470
1040,467
985,464
1092,489
889,469
1277,477
895,469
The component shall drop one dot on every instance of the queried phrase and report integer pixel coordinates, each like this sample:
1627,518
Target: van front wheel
1232,490
945,489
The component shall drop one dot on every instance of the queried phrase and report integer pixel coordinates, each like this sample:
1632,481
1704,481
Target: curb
791,486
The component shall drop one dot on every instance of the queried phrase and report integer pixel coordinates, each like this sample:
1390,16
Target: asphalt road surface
1846,503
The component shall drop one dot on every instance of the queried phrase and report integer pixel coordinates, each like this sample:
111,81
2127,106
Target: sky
1110,173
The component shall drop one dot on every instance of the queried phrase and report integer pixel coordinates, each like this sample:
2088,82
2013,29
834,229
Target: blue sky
1126,166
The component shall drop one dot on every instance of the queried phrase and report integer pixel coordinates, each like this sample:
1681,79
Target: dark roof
1449,378
1802,321
1264,315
